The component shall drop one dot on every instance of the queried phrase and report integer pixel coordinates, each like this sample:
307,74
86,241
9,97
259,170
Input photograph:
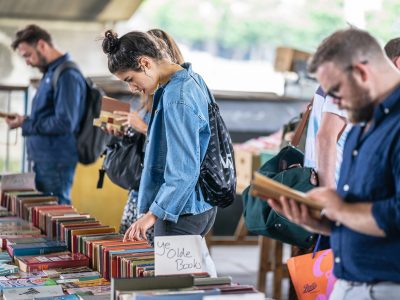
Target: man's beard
363,106
42,64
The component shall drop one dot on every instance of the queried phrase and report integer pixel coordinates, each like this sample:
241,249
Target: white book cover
32,292
80,275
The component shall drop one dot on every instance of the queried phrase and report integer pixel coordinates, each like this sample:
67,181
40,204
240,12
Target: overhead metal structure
100,11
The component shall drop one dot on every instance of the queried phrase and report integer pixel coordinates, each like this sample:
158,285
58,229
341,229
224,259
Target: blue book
37,248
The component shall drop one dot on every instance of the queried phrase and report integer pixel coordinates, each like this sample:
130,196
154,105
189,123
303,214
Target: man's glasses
335,89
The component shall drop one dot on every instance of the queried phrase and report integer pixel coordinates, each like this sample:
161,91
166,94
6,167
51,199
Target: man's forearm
358,217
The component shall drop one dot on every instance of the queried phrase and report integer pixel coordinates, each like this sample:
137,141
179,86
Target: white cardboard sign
182,254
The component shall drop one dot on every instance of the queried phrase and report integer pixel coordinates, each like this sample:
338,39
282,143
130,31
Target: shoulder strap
302,125
61,68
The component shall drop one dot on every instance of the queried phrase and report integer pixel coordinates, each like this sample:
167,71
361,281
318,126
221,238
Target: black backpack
91,140
217,178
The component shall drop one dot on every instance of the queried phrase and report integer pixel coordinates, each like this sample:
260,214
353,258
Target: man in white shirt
323,150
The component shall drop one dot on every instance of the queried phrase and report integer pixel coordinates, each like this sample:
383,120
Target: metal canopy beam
69,10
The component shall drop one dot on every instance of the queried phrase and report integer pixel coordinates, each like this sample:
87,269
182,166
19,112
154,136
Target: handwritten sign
182,254
18,182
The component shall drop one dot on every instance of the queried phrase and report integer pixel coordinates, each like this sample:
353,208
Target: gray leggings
187,224
346,290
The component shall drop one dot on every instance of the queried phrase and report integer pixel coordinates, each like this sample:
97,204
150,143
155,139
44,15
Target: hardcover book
265,187
150,283
36,248
56,221
111,105
52,261
44,208
74,232
107,117
4,238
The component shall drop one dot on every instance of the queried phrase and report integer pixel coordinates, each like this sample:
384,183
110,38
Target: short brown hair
31,34
392,48
344,47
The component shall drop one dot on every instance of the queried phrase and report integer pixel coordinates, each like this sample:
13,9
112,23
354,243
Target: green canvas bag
258,215
287,168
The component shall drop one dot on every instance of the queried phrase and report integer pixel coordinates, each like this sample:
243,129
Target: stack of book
64,254
107,116
186,287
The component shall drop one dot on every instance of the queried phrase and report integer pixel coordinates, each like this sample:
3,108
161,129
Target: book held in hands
265,188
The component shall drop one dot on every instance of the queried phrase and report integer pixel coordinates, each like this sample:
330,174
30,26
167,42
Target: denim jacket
178,137
51,129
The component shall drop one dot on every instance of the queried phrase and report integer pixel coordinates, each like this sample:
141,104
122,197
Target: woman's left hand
132,119
137,231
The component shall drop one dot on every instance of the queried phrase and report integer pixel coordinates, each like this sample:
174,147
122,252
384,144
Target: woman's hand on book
108,128
132,119
137,231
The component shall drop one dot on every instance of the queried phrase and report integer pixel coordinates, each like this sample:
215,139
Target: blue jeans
55,179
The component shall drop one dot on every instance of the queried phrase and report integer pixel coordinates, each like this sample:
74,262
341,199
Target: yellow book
265,187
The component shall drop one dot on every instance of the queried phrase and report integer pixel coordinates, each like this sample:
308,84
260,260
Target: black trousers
187,224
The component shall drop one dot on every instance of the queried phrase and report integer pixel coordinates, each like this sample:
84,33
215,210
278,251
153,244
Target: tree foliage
235,28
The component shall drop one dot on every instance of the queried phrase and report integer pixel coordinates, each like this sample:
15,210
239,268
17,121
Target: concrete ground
241,263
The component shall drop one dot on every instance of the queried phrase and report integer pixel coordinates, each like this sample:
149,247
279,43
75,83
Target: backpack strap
61,68
303,122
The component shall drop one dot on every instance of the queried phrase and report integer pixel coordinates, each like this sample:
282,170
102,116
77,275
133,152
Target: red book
52,261
105,269
38,209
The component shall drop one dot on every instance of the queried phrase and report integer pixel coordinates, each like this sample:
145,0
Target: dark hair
171,47
123,53
392,48
344,47
31,34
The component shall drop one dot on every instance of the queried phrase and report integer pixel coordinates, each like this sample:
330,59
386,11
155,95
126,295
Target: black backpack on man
91,140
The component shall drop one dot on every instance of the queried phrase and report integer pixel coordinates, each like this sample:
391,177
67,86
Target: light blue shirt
178,137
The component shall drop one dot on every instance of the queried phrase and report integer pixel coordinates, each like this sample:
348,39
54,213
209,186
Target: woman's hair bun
110,42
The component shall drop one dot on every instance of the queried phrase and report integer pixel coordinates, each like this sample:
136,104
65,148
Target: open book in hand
265,187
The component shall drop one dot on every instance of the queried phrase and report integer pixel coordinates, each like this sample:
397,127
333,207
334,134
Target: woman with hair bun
177,136
138,120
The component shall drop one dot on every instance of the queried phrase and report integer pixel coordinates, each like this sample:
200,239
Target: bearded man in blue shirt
362,217
56,114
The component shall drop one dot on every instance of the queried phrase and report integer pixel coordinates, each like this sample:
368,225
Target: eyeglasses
335,89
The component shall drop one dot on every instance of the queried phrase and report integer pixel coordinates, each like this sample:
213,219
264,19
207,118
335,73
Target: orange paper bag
312,278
